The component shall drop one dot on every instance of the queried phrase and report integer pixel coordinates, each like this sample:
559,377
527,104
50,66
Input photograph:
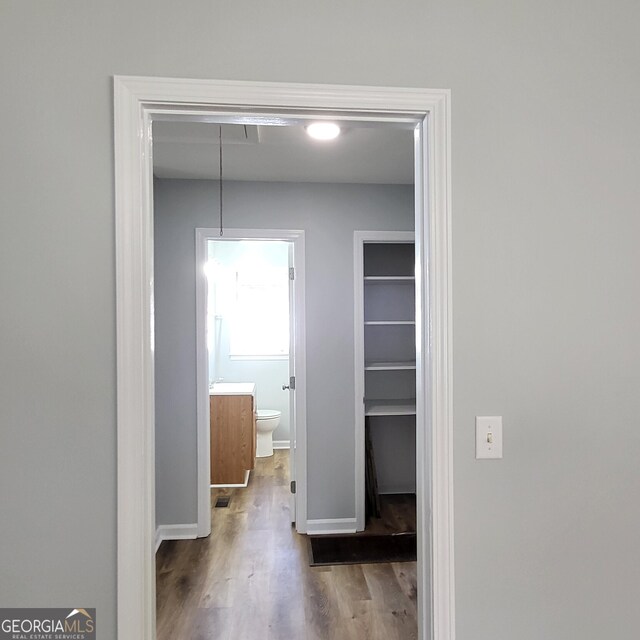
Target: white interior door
291,384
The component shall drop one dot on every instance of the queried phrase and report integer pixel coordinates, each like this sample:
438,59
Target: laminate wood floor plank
351,588
251,578
397,515
406,575
211,623
179,584
385,588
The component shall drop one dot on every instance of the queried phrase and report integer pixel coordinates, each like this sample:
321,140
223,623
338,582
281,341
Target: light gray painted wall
546,312
328,214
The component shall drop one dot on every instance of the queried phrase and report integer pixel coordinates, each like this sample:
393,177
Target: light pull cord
220,177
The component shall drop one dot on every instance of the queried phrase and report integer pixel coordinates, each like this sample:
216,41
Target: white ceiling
190,150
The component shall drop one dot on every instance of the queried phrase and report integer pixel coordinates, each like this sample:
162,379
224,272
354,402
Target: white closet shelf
389,366
388,279
388,322
390,407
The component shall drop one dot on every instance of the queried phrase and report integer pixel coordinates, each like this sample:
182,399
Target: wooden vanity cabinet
233,437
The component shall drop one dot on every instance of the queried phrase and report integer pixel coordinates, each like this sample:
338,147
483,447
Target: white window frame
236,354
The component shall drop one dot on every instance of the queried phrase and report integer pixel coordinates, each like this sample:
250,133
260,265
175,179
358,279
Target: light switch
488,437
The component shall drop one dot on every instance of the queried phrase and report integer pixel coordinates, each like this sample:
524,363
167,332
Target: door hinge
292,383
292,273
293,486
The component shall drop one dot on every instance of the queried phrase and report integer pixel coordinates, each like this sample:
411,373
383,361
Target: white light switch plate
488,437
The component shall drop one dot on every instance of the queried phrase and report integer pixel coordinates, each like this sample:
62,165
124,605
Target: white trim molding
175,532
331,525
282,444
203,439
434,366
137,103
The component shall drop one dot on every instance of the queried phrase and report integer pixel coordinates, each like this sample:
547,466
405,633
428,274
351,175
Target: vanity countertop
233,389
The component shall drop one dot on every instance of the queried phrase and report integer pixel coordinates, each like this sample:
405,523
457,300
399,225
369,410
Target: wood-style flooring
251,580
397,515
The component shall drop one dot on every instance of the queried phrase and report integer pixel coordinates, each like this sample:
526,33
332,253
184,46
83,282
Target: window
260,316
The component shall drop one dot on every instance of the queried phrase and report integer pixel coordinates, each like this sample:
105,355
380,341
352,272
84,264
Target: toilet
266,422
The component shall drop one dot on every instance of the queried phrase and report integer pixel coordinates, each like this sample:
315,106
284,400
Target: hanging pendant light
220,177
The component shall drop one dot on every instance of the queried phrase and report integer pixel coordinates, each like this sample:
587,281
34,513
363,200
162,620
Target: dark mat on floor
363,549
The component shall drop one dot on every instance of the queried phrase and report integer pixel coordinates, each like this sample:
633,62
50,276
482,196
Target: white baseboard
175,532
396,489
332,525
281,444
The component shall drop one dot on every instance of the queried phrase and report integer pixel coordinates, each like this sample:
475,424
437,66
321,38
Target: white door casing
295,283
138,101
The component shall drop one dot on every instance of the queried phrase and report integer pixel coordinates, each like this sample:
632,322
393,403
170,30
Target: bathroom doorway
250,330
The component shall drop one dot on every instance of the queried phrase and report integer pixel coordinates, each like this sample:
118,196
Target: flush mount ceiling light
323,130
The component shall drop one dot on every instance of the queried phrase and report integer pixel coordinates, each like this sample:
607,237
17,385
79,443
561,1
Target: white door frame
299,433
137,102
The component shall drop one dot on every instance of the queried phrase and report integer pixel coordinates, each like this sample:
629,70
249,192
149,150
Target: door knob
285,387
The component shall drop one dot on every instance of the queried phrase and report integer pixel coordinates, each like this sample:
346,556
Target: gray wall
328,214
546,311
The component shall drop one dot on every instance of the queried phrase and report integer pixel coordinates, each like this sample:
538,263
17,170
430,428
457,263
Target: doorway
278,253
248,335
138,102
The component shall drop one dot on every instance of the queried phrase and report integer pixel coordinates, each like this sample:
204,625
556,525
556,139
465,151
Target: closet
386,363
